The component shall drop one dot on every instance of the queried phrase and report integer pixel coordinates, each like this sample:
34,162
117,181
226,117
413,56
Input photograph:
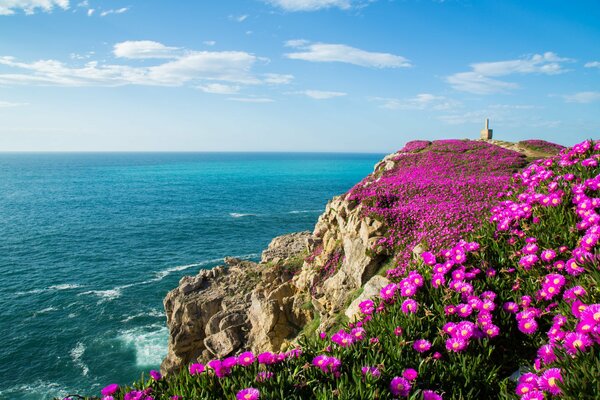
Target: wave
105,295
45,310
62,286
304,211
37,390
241,215
159,275
76,353
154,313
149,343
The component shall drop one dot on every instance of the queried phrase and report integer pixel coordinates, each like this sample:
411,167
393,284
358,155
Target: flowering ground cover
541,145
435,193
512,311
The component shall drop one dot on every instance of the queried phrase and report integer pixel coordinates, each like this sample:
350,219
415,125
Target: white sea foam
154,313
45,310
240,215
159,275
104,295
62,286
76,353
304,211
38,389
149,343
65,286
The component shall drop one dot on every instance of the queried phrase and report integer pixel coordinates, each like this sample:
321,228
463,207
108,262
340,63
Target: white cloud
219,88
90,12
238,18
321,94
506,115
310,5
421,101
473,82
323,52
582,97
29,7
115,11
251,99
278,79
186,68
592,64
7,104
209,42
480,80
141,49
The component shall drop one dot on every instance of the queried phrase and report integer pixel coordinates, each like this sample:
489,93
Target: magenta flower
528,326
410,374
246,358
110,389
196,369
456,344
398,331
367,307
422,345
155,375
575,341
524,388
409,306
342,338
400,387
387,292
267,358
549,381
428,258
431,395
248,394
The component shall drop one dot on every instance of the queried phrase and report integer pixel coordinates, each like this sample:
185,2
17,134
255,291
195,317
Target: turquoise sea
90,243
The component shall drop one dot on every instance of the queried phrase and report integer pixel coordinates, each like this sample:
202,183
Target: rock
223,343
370,290
286,247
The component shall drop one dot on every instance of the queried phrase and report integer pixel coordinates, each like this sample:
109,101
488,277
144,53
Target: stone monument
486,133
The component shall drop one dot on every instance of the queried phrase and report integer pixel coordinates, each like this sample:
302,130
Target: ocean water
91,243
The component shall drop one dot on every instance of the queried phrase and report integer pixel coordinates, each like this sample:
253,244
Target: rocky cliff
309,281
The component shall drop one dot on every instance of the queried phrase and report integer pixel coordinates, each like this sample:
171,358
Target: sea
90,244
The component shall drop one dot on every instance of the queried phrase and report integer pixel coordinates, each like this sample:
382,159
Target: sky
294,75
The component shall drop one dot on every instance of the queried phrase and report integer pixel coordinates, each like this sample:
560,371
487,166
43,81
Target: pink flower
267,358
428,258
400,387
371,371
528,326
549,381
431,395
409,306
110,389
410,374
342,339
264,376
196,369
456,344
248,394
422,345
246,358
387,292
575,341
398,331
155,375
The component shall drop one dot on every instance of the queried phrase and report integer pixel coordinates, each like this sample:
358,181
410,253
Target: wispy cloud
7,104
114,11
321,94
251,99
238,18
592,64
183,67
29,7
142,49
582,97
509,115
219,88
209,42
422,101
311,5
324,52
481,78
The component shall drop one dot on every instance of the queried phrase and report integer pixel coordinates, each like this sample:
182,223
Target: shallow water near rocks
91,243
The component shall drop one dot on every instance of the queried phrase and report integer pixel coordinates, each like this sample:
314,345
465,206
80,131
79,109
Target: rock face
262,307
241,305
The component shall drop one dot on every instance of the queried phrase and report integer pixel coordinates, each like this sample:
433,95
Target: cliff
314,281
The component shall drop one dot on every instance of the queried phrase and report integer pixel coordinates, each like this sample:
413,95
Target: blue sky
294,75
